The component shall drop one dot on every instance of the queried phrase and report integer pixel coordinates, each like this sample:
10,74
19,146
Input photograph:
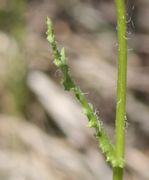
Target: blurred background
43,133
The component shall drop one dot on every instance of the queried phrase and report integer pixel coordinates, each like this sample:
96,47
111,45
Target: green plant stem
117,173
94,121
121,87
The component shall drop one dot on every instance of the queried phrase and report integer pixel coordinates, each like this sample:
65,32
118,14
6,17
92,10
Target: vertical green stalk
121,87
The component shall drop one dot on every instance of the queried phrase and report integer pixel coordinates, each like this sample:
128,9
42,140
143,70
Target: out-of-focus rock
83,14
141,43
138,112
138,163
89,17
142,16
60,105
28,153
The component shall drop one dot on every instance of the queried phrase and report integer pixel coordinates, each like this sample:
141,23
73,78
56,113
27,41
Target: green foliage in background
16,84
12,23
11,17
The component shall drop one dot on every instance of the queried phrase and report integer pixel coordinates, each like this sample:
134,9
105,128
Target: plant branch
93,121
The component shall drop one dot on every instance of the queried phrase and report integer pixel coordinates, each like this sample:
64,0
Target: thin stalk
121,87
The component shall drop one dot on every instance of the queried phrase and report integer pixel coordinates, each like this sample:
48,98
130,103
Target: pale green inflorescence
93,120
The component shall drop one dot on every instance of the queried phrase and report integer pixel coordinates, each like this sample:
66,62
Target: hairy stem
121,88
94,121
